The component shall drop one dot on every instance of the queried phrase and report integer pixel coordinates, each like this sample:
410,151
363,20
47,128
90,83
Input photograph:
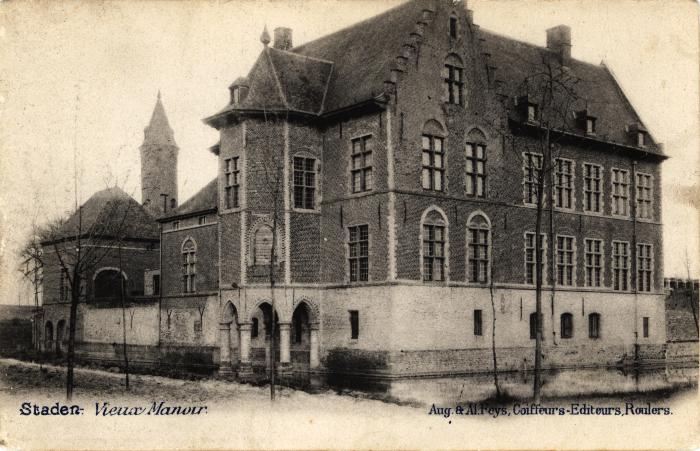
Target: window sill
306,211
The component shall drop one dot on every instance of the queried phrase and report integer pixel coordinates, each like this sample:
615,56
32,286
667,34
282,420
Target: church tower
159,164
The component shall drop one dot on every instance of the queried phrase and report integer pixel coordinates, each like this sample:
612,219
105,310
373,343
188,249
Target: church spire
158,130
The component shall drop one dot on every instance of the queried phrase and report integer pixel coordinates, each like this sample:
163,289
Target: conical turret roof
158,131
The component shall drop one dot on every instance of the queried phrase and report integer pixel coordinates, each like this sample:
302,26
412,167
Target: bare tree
691,294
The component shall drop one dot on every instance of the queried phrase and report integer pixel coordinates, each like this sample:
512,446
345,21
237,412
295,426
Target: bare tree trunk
691,297
538,272
75,297
272,293
121,295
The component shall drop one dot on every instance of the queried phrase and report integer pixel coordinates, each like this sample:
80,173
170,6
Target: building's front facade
395,160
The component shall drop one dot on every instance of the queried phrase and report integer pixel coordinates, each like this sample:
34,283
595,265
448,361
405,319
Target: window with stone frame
566,262
620,192
231,183
189,266
361,164
594,325
592,184
358,253
434,236
593,257
533,326
478,246
304,183
532,168
644,267
478,323
453,73
476,164
620,265
354,324
567,325
433,174
644,196
531,257
564,183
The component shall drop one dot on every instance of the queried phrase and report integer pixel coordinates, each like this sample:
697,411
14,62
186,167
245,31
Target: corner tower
159,164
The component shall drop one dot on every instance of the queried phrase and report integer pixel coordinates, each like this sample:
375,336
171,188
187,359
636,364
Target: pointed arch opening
478,248
434,245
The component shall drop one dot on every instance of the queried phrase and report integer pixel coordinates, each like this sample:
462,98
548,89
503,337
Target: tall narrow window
254,330
592,182
453,27
478,326
567,325
231,188
531,112
590,125
262,245
640,139
644,198
532,166
531,257
533,326
594,325
156,284
354,324
644,267
433,252
361,171
433,174
454,83
564,183
476,169
565,260
620,265
620,192
358,253
304,183
594,262
189,268
478,249
645,326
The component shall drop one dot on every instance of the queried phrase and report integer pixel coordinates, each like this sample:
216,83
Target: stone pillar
313,346
245,369
224,348
285,354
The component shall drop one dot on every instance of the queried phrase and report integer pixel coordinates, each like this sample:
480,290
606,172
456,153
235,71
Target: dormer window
586,121
531,112
640,139
235,94
637,134
453,81
590,125
453,27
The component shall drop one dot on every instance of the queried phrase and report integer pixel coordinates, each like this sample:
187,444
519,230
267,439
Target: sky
80,80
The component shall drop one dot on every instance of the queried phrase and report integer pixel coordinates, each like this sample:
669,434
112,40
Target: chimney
283,38
559,42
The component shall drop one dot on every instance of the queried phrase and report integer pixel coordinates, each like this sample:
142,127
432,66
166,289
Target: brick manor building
406,215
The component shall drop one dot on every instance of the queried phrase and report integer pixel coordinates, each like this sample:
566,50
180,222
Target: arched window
433,156
434,237
476,163
567,325
594,325
108,283
262,245
533,326
478,255
454,81
189,266
453,26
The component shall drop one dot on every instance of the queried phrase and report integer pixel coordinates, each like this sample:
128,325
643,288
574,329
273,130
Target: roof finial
158,94
265,37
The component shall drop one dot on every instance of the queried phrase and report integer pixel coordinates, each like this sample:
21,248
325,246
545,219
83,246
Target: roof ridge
299,55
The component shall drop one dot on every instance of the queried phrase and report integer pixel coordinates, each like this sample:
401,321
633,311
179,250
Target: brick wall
205,238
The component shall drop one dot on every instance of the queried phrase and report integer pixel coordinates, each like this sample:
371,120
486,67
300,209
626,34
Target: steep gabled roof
206,199
110,213
598,90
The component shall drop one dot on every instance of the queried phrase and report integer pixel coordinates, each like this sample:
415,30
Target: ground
240,415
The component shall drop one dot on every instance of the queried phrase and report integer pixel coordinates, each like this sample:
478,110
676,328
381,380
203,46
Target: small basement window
478,323
354,324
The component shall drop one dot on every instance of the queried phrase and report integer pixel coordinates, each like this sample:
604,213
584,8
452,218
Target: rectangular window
645,326
478,254
478,326
644,193
231,179
454,85
620,192
594,325
620,265
453,27
565,260
304,183
156,284
590,126
531,112
476,170
532,166
354,324
433,253
358,252
644,267
531,257
640,139
564,183
594,262
361,172
592,182
433,174
202,220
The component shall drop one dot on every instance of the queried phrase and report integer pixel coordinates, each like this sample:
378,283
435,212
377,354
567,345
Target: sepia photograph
349,224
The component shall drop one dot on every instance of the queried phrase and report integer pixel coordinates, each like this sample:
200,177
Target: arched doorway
260,336
108,283
60,336
48,336
230,336
301,335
